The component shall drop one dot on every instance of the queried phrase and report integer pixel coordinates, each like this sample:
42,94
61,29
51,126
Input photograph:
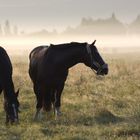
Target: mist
27,24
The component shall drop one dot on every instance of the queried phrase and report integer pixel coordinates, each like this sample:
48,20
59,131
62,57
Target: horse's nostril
106,71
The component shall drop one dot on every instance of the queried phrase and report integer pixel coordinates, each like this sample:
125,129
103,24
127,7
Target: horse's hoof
59,113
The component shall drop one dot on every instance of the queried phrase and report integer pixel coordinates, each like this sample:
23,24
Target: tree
7,28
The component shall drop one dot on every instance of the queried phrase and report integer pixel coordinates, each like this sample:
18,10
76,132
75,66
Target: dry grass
107,108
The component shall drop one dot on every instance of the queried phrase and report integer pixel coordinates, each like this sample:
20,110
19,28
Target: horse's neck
75,56
9,93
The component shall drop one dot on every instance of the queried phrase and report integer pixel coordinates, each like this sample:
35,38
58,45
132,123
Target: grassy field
93,108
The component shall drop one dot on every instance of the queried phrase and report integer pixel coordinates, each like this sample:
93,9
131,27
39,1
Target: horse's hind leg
39,102
53,92
0,89
58,100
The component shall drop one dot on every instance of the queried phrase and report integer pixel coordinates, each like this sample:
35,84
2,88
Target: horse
48,70
11,102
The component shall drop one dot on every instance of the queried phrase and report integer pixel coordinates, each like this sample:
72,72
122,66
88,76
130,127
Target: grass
93,107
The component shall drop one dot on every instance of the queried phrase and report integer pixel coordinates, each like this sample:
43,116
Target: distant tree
113,16
86,21
7,28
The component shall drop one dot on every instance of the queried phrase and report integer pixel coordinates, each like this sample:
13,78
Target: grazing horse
11,103
48,70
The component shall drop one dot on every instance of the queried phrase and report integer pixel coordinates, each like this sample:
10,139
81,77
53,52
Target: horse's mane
66,45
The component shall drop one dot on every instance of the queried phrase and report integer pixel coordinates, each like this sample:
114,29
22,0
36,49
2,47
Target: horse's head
96,62
12,109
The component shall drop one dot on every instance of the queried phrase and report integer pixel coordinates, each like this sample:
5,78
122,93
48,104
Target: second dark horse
49,67
11,102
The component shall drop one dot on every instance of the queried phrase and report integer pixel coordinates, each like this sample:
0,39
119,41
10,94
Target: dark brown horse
49,67
11,103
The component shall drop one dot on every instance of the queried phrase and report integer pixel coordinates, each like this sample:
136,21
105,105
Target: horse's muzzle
103,70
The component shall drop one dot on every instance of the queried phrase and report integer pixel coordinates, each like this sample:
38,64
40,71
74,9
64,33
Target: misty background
114,23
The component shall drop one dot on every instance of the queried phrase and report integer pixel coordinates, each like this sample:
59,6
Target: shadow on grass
75,138
106,117
48,132
133,128
103,116
52,133
131,132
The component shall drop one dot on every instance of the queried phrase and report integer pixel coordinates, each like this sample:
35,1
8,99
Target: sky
58,14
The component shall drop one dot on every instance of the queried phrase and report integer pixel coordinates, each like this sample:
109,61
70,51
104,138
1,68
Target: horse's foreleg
37,114
58,111
56,103
53,99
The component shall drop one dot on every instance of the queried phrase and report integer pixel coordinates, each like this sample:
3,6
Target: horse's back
5,67
44,67
5,62
37,51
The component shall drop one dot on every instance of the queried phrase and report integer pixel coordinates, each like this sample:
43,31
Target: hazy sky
36,14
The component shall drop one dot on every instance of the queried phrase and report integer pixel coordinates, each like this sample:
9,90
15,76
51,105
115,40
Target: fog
27,24
106,44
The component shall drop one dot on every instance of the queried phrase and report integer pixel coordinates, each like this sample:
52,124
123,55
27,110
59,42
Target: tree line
8,30
87,26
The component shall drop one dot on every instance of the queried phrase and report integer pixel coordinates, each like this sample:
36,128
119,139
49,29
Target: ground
94,108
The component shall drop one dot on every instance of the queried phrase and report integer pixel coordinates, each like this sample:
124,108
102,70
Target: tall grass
93,108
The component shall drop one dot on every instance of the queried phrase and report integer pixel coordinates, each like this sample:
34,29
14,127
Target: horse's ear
17,92
93,43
